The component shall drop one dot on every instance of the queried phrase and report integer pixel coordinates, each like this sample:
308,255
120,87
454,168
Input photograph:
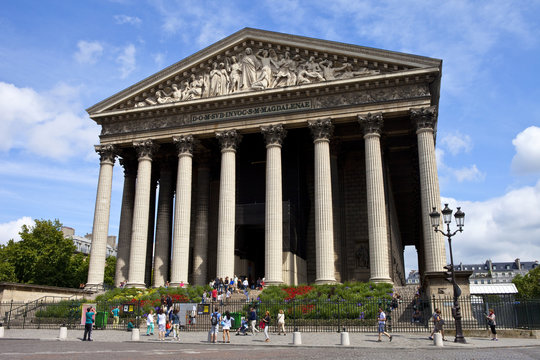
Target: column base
381,280
136,285
326,282
177,284
273,282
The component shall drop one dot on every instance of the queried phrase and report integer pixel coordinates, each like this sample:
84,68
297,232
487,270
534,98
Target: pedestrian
382,323
252,320
214,294
266,323
281,322
215,318
162,323
226,323
491,322
169,302
150,323
116,318
89,321
176,325
438,323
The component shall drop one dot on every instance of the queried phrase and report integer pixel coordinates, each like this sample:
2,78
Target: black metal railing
406,315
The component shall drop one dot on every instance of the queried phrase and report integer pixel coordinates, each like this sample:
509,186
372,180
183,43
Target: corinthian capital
371,123
184,144
228,139
425,118
274,134
107,153
321,129
145,148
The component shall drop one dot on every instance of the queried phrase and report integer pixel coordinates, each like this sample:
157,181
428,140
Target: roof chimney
518,264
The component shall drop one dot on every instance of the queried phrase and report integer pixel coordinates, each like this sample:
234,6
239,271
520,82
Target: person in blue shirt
89,321
116,316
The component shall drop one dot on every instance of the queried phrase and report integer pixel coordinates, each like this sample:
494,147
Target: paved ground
24,344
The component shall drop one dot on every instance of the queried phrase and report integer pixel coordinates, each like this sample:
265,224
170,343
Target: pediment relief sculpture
255,69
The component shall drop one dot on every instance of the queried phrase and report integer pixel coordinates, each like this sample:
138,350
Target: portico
314,165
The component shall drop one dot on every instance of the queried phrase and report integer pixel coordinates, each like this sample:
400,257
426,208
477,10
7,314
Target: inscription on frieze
253,111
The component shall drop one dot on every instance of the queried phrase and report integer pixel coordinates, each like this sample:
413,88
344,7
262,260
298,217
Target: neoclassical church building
272,155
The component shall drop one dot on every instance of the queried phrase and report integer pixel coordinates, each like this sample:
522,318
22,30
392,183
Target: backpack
214,319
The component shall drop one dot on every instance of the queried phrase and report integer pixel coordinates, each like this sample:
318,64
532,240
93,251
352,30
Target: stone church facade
271,155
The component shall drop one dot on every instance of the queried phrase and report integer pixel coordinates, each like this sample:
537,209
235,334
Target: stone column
98,251
182,211
340,261
324,229
376,204
151,229
273,219
227,203
164,223
139,233
200,246
126,219
434,249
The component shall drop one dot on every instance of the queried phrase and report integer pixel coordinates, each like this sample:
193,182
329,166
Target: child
168,328
130,325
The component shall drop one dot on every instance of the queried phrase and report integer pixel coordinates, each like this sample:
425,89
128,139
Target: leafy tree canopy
528,285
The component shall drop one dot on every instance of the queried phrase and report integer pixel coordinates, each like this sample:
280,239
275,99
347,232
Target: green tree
528,285
110,270
7,270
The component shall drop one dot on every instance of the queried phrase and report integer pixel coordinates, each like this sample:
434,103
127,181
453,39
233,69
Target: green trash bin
237,320
101,320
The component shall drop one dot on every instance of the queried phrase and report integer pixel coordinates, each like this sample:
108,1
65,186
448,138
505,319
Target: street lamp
460,222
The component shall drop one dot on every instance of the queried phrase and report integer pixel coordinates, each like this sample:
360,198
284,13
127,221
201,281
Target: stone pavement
328,339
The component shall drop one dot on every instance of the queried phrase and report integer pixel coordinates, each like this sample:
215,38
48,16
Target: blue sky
59,57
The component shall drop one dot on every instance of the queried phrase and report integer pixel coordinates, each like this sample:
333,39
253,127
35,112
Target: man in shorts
215,319
382,323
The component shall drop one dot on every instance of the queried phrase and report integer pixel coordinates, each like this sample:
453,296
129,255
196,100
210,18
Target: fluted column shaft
273,251
126,221
324,228
182,211
200,247
139,232
227,204
98,251
164,224
376,204
434,248
148,267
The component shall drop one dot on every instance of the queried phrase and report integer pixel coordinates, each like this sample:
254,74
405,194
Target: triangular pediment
256,60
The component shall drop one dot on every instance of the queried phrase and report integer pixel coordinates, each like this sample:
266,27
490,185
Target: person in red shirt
214,295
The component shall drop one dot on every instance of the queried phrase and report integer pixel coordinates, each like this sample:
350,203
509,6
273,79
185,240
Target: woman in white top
281,322
161,321
150,323
226,323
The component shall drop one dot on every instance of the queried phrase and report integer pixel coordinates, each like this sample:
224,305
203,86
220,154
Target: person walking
176,324
252,320
438,323
150,323
89,321
491,322
266,323
162,322
215,318
116,316
226,322
281,322
382,323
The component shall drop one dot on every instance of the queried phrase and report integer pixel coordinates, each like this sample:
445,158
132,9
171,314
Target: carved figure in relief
215,80
162,97
313,69
195,87
349,73
329,72
235,71
224,83
249,69
264,79
286,75
176,93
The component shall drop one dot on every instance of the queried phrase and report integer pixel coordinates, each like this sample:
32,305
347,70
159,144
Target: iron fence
405,315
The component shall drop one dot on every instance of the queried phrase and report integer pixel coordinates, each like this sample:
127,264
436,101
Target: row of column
133,234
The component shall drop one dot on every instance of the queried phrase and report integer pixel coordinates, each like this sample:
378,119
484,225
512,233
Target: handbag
262,324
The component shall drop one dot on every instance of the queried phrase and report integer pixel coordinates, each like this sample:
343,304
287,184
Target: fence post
294,315
338,318
39,317
10,309
25,313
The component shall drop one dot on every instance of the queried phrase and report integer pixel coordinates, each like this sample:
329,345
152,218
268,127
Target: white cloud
10,230
457,142
89,52
470,173
49,124
527,158
501,229
158,59
127,60
125,19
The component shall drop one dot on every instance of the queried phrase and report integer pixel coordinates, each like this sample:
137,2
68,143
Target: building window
476,281
481,281
494,267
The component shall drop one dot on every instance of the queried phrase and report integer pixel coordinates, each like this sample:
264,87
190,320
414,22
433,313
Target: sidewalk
329,339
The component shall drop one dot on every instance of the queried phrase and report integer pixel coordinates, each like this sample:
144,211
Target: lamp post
460,221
